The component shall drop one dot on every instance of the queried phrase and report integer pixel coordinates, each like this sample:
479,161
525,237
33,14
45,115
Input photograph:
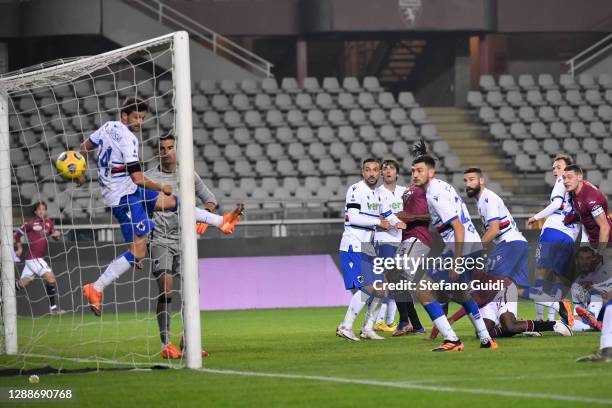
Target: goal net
52,108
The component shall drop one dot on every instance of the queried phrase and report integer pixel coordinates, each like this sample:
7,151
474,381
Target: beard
472,191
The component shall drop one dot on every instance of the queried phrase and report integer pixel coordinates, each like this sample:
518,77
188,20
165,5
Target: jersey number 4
103,160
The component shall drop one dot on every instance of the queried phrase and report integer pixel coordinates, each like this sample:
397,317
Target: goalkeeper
164,243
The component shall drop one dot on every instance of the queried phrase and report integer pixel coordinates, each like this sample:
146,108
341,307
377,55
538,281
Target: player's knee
164,298
50,279
139,249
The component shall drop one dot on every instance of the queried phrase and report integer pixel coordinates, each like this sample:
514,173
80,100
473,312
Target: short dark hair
167,137
38,204
473,170
369,160
391,162
134,105
421,155
575,168
565,157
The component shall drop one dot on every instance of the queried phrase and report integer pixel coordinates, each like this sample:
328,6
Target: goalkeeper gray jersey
167,229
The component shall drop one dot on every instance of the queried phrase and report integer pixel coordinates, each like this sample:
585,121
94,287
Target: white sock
539,311
208,217
114,270
580,326
358,300
382,314
595,307
372,313
480,326
391,309
606,329
445,328
552,312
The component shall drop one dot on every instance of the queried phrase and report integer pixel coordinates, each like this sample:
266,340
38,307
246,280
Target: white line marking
409,385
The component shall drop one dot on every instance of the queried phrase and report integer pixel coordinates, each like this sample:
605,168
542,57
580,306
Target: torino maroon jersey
588,204
415,202
36,231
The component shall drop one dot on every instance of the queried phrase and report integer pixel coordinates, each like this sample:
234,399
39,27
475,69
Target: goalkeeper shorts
134,213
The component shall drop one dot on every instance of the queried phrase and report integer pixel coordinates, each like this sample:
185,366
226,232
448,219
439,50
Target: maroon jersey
588,204
36,231
415,202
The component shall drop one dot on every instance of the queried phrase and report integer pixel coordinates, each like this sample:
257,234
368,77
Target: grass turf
301,342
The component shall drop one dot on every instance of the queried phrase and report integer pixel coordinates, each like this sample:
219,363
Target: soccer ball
71,165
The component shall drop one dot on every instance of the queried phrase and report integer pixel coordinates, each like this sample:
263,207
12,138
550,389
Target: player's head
586,261
133,112
474,181
39,209
560,162
167,150
423,165
573,177
390,170
370,171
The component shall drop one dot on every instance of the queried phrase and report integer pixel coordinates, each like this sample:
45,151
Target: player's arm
410,217
459,231
204,194
55,234
18,234
604,233
134,169
555,204
492,231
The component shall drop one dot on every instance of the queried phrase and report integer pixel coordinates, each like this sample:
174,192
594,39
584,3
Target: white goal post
46,79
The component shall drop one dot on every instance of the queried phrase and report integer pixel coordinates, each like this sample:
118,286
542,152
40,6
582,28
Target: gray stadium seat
567,81
328,166
526,82
429,132
585,161
249,86
538,130
523,162
229,86
348,165
598,129
220,102
495,99
263,167
590,145
593,97
316,118
324,101
357,117
604,81
566,113
326,134
371,84
263,135
498,131
607,145
305,135
221,168
571,146
366,100
346,101
285,167
221,136
586,81
474,99
254,151
338,150
296,150
534,98
281,193
595,177
304,101
284,135
507,114
603,161
546,82
201,137
269,184
487,115
368,133
208,86
573,97
553,97
586,113
506,83
306,167
530,146
346,134
275,151
400,148
398,116
379,149
542,161
317,150
200,103
358,149
212,119
388,133
232,119
331,85
487,83
605,113
441,148
311,85
312,183
378,117
242,136
269,85
289,84
452,162
518,130
275,118
547,114
608,96
406,99
551,146
283,102
295,118
263,102
386,100
336,117
417,115
351,84
559,130
515,98
578,129
247,184
408,132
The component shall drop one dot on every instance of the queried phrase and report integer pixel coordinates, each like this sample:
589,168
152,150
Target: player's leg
51,288
350,267
226,223
473,312
439,319
604,353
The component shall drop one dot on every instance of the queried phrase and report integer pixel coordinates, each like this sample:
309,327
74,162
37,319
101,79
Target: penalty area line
413,386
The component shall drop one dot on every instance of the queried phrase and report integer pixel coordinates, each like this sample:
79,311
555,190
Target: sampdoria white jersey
490,208
444,206
362,198
555,220
392,203
117,147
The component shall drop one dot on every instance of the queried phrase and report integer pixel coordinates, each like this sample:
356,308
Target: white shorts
35,267
415,249
506,300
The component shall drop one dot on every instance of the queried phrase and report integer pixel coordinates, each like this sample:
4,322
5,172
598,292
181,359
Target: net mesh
53,107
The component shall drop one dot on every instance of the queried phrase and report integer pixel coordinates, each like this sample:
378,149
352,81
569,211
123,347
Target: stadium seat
523,162
336,117
452,162
515,99
406,100
586,81
498,131
530,146
212,152
306,167
566,113
604,81
593,97
290,85
275,118
539,131
304,101
247,184
546,82
263,135
518,130
209,87
346,101
263,102
285,167
281,193
474,99
295,118
212,119
571,146
506,83
400,148
264,167
551,146
254,151
337,150
578,129
357,117
542,161
573,97
316,118
311,85
585,161
221,168
507,114
358,149
608,96
605,113
328,166
351,84
317,150
232,119
269,85
526,83
366,100
567,82
586,113
331,85
228,86
346,134
487,83
324,101
242,136
306,135
606,145
487,115
559,130
220,102
388,133
386,100
441,148
417,115
603,161
378,117
368,133
429,132
201,137
547,114
379,149
324,193
249,86
553,97
534,98
590,145
283,102
296,151
371,84
495,99
348,165
408,132
398,116
597,129
200,103
275,151
595,177
326,134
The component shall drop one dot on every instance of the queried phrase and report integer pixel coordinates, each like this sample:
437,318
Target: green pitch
290,357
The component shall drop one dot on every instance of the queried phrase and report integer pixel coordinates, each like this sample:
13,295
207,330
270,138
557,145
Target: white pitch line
413,386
